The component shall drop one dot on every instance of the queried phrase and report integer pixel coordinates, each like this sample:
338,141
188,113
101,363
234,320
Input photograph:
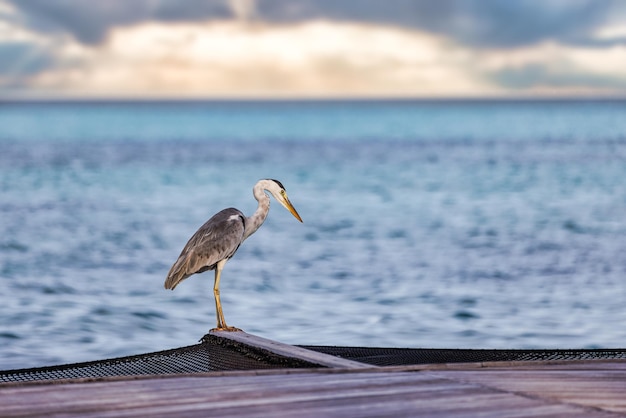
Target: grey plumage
219,238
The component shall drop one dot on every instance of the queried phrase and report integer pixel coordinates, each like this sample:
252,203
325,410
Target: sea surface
456,224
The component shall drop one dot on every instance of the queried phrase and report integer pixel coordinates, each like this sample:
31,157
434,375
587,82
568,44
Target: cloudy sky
311,48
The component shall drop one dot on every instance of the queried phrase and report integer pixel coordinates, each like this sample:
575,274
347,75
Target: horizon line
311,99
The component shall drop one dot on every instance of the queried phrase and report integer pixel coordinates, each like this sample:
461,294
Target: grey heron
219,238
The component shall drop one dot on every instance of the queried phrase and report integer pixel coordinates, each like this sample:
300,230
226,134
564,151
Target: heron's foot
226,328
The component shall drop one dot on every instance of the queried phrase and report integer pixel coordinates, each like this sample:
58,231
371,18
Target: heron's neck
255,221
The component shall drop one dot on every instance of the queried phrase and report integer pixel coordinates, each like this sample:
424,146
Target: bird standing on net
219,238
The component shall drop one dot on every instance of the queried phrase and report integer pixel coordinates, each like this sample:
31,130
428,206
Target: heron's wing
216,240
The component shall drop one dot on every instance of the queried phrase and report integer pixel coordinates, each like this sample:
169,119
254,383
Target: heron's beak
287,204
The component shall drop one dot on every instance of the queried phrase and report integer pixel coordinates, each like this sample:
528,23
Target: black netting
221,354
213,354
413,356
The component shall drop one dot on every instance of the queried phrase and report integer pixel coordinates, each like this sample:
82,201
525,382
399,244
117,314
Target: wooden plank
488,392
601,387
264,397
286,350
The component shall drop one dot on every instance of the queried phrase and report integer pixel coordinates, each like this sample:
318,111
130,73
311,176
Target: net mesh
221,354
414,356
212,354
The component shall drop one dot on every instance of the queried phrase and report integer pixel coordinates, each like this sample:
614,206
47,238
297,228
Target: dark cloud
538,75
19,62
478,23
90,22
496,23
23,58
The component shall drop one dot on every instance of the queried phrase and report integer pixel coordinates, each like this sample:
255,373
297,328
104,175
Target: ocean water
457,224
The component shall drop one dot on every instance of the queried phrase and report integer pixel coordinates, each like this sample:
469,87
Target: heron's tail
176,274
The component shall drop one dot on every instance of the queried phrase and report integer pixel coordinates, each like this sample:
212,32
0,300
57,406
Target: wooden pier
595,388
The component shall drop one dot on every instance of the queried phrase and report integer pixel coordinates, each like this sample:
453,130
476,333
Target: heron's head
277,190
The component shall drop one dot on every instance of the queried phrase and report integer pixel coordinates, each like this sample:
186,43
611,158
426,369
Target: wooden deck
523,389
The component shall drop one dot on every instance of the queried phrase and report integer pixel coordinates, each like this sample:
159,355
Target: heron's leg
221,322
